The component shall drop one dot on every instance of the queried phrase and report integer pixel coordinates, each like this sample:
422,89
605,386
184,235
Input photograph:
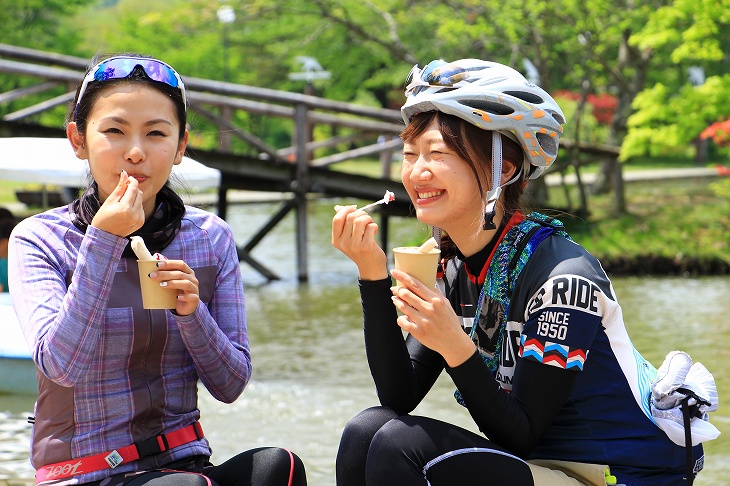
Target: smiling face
441,184
447,173
131,127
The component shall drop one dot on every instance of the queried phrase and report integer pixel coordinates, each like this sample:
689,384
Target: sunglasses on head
436,73
120,67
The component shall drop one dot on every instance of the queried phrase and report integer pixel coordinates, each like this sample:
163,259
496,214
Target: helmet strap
436,233
496,190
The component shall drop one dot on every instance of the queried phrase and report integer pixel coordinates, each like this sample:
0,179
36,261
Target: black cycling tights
380,448
266,466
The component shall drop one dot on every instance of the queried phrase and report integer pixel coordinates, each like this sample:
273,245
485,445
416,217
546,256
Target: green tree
672,112
369,46
36,23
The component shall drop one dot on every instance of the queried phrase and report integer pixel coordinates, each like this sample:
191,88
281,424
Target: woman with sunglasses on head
546,368
117,383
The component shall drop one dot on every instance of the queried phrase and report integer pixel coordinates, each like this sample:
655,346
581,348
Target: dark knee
365,424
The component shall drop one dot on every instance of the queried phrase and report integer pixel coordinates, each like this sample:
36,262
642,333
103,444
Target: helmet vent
548,144
526,96
557,117
488,106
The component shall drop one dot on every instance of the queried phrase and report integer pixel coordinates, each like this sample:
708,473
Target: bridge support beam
301,186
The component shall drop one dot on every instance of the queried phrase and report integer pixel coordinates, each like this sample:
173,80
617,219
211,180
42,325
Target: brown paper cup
418,265
154,296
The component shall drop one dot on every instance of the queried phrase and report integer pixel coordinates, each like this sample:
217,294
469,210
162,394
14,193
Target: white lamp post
311,70
226,16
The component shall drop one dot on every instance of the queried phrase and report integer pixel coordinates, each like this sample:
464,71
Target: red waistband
111,459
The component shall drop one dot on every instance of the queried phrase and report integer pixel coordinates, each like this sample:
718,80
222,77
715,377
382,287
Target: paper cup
154,296
416,264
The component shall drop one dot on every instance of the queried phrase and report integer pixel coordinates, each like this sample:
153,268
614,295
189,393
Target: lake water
310,375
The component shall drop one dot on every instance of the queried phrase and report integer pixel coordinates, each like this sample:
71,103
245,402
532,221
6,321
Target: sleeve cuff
466,368
374,284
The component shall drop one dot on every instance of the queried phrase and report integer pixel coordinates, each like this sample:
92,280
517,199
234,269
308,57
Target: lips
139,177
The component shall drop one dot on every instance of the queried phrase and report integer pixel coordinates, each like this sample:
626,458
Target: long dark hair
474,146
94,88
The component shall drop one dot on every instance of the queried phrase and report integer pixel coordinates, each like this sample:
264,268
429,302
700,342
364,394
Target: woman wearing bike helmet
546,369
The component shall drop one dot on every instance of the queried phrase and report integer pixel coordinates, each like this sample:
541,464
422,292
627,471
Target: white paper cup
154,296
416,264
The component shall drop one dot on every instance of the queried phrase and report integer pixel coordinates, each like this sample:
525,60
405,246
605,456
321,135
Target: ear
77,141
508,171
181,146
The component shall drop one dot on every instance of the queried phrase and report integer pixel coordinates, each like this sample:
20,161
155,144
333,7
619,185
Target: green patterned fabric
510,257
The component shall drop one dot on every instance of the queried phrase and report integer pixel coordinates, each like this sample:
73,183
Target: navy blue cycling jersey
564,314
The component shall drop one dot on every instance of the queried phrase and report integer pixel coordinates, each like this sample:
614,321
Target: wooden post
224,142
224,134
301,132
618,188
222,201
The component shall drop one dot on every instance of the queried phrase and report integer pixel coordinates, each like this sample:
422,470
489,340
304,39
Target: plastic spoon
427,246
140,249
389,196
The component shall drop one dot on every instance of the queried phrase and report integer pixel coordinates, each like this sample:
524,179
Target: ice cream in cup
153,296
420,262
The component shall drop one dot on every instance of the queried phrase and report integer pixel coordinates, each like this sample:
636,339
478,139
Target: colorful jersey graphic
562,312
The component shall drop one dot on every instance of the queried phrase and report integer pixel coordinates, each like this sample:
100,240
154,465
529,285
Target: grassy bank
671,227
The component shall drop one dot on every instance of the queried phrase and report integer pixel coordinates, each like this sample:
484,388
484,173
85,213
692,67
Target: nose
135,152
420,171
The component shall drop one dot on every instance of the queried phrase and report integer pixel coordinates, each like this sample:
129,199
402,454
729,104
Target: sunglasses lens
447,75
430,72
436,73
120,68
162,73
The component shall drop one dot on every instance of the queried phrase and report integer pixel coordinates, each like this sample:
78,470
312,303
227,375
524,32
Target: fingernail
163,284
338,207
160,264
152,274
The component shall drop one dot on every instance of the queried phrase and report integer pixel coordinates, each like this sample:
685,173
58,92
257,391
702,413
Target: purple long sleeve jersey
111,373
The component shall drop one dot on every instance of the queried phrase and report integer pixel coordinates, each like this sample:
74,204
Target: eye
408,154
113,130
157,133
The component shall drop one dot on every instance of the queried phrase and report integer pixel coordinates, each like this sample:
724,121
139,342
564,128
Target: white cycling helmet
493,97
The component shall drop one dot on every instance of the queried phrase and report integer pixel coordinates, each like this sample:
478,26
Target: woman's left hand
176,274
429,317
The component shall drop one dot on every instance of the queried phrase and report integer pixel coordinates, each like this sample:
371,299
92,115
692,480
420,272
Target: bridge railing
374,129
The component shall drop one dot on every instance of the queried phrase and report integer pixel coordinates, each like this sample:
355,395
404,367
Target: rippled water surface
310,374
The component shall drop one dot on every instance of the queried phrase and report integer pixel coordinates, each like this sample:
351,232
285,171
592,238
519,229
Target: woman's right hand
121,213
353,233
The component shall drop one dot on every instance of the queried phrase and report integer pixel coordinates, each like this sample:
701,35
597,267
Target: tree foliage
634,52
673,112
35,23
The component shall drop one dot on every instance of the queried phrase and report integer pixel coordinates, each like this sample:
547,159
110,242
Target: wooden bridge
263,168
